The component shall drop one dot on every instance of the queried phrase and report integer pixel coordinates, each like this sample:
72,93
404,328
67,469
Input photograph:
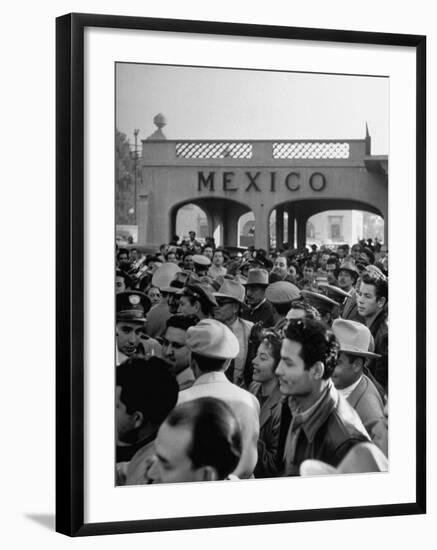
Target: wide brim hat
232,290
199,293
165,274
354,338
347,266
257,277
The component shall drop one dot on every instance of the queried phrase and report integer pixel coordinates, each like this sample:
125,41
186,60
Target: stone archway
222,214
297,213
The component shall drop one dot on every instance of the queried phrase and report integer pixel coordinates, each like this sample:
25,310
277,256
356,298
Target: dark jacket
328,435
264,313
349,309
379,367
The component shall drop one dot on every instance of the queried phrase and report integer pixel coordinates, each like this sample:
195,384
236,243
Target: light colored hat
232,290
200,259
362,458
165,274
257,277
282,292
354,338
212,338
375,271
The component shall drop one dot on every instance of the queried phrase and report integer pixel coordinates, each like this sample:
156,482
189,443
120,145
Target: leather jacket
330,432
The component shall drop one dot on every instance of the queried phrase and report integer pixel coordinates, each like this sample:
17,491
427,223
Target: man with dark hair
175,351
308,281
123,261
217,268
122,281
372,305
213,346
316,422
146,392
199,441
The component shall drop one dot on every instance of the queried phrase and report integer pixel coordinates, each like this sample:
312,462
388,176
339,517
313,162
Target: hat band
131,314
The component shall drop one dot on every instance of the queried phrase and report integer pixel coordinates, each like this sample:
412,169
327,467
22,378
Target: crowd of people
242,363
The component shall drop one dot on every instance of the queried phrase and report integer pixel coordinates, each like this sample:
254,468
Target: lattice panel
214,150
310,150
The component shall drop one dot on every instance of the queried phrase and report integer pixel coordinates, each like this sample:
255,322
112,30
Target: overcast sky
212,103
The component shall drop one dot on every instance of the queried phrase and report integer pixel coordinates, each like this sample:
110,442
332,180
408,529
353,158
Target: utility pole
136,132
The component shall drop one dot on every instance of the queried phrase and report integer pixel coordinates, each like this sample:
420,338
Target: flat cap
211,338
282,292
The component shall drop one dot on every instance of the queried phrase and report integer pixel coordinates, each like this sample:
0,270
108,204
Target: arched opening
191,217
246,230
334,227
282,227
217,218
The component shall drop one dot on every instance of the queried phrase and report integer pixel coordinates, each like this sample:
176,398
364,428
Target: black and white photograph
251,274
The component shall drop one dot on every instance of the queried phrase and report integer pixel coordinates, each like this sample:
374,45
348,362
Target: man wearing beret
351,382
213,346
260,309
132,307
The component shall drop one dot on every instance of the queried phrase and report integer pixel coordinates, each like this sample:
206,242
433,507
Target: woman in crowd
154,295
265,387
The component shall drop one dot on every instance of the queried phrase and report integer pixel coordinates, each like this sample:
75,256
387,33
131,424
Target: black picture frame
70,273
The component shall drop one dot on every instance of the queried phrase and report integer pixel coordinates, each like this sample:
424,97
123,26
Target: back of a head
216,434
148,386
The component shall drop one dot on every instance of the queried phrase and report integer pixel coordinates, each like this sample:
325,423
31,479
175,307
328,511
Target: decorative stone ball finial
159,120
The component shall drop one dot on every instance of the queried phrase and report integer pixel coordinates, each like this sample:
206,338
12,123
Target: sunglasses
222,303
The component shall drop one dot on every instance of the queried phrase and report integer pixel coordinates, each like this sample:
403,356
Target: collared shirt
242,332
185,378
345,392
215,271
299,420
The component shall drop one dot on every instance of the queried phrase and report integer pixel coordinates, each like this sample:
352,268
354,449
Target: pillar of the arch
301,231
230,226
279,226
290,225
261,227
217,225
